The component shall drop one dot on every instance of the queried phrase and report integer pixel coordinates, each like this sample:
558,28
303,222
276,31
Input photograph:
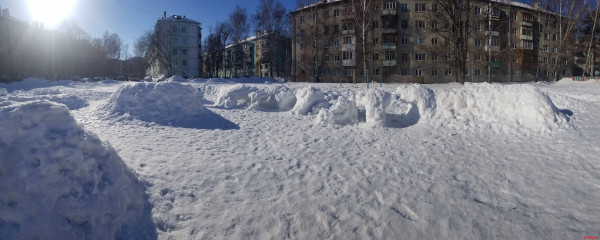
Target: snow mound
166,103
269,98
72,102
176,78
3,92
496,107
309,100
242,80
343,112
58,181
375,102
32,83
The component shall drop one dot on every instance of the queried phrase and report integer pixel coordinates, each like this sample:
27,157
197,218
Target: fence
585,78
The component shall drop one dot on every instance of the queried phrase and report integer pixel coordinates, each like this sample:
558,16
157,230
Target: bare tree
454,16
241,27
271,21
159,51
365,12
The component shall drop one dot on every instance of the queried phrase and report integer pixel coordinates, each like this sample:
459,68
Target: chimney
164,14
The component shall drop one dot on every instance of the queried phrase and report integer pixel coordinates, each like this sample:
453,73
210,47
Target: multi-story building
12,31
262,55
181,46
406,42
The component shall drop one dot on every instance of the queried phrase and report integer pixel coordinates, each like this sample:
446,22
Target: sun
50,12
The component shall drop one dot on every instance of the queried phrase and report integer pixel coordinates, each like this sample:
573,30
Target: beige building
406,43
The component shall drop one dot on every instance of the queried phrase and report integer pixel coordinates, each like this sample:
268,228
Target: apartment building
407,42
181,41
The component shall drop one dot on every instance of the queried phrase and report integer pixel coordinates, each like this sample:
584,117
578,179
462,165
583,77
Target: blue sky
131,18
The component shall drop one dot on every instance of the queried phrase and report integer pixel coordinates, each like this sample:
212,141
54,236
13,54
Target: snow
315,161
59,181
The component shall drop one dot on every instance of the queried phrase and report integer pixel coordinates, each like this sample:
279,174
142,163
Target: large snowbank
58,181
266,98
495,107
243,80
167,103
176,78
3,91
31,83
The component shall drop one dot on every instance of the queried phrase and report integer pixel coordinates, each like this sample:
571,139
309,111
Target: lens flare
50,13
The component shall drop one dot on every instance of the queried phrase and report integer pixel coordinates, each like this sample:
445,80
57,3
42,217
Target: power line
138,8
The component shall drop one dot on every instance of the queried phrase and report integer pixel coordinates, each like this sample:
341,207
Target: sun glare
50,13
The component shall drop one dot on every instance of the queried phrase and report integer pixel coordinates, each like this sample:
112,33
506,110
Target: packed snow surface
324,161
58,181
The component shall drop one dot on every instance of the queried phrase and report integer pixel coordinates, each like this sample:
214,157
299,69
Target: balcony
526,24
390,30
349,47
495,17
388,12
493,33
348,31
389,46
492,48
349,63
525,37
389,63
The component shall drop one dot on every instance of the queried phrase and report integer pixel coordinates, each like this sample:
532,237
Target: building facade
407,42
180,42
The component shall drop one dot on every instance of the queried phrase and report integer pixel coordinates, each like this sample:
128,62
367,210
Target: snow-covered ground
212,159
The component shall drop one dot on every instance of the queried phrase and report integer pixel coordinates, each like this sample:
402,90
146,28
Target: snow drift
484,106
310,100
269,98
167,103
58,181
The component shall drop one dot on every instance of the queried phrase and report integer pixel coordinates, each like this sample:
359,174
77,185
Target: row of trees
30,51
271,19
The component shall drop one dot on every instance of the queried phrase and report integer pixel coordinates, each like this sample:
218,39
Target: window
434,7
546,60
184,40
336,58
375,56
315,17
477,42
477,11
434,24
527,44
336,72
375,25
419,24
301,46
419,7
404,40
315,72
434,57
389,5
184,62
326,29
376,71
349,72
515,60
326,14
376,41
404,24
336,28
404,7
302,60
477,26
302,19
554,50
347,39
327,72
448,71
336,43
477,72
404,56
302,32
554,37
184,51
545,48
420,41
174,29
347,55
183,29
418,72
514,31
327,44
174,51
404,72
554,61
546,36
390,55
434,41
513,16
448,56
478,57
434,72
326,58
420,56
336,13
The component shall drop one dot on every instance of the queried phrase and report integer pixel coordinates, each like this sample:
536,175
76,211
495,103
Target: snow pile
3,92
343,112
270,98
309,101
243,80
166,103
31,83
176,78
49,94
496,107
375,102
58,181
